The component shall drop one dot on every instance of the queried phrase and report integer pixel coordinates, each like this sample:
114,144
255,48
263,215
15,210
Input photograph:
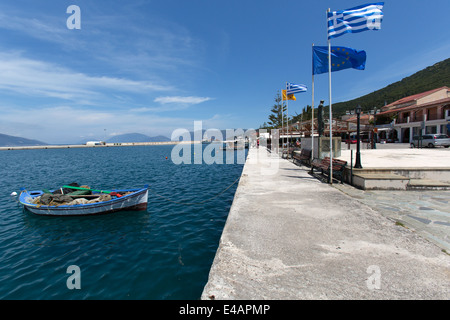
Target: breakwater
73,146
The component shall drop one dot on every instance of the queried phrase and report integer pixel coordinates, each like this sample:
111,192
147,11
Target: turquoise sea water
163,253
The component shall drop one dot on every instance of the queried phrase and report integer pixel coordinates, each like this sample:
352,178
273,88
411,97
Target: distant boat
84,201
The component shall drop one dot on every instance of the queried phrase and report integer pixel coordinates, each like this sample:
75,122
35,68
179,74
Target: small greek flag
295,88
358,19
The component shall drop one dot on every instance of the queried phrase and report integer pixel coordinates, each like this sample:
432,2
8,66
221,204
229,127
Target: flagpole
329,97
284,123
282,118
287,119
312,114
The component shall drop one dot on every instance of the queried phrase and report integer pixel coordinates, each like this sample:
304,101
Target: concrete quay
289,236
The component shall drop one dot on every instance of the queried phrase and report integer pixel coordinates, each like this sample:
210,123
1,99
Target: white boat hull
134,201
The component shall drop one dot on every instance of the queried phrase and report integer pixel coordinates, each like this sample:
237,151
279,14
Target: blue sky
155,66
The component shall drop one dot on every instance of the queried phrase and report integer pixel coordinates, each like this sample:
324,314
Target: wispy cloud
120,72
39,78
171,103
47,30
102,60
182,100
158,48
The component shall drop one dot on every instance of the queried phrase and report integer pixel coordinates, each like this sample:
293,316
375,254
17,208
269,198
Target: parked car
350,140
431,141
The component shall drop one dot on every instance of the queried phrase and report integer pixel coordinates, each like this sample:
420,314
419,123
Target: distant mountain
136,137
432,77
12,141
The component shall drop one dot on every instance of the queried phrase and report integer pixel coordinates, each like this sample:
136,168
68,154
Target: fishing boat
82,201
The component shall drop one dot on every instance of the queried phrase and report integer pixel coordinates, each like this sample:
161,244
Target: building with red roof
428,112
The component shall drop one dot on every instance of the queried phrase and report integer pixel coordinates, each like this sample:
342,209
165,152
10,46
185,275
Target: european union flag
341,58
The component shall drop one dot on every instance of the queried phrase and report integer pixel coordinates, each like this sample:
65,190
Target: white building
95,143
427,111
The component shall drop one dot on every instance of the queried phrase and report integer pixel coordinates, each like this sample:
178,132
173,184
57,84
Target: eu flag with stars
341,58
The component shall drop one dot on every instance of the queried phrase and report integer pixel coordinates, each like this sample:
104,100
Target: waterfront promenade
290,236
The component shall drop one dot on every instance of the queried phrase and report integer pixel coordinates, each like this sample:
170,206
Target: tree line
278,116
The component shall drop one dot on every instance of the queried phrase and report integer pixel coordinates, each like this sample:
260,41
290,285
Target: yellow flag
289,97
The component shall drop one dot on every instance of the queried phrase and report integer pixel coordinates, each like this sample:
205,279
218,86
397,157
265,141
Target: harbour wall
124,144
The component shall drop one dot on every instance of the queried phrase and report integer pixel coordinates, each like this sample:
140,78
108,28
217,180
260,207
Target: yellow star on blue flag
341,58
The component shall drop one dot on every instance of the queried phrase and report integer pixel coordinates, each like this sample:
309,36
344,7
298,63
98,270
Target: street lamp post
358,138
374,135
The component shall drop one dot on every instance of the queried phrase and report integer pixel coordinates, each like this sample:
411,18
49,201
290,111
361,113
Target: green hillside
435,76
12,141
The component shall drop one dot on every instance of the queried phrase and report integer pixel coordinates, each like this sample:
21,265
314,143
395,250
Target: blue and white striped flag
295,88
358,19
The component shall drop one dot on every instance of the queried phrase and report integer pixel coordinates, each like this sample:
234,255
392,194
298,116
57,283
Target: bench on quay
305,155
324,166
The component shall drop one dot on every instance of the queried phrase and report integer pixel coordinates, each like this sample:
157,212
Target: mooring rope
193,203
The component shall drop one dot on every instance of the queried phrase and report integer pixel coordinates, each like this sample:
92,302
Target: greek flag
358,19
295,88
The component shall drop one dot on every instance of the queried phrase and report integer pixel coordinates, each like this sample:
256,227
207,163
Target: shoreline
121,144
